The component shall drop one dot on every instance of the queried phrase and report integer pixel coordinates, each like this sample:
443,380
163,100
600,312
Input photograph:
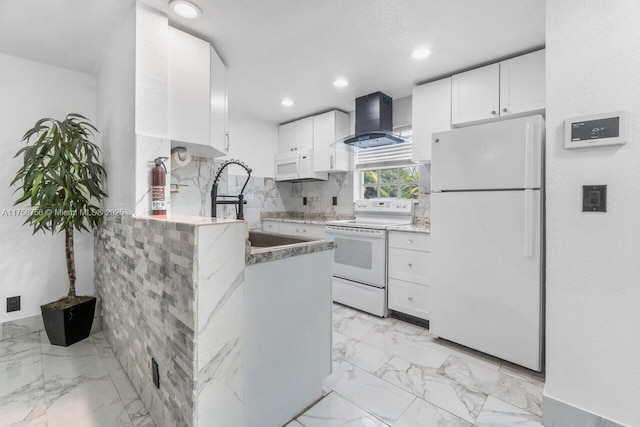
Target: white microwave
295,167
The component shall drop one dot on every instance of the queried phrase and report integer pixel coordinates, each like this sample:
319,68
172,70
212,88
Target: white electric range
360,256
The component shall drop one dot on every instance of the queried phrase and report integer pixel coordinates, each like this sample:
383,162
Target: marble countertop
415,228
302,217
298,220
255,255
188,219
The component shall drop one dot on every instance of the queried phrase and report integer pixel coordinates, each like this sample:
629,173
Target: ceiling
296,48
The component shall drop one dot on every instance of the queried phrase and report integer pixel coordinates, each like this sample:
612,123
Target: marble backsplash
423,209
264,195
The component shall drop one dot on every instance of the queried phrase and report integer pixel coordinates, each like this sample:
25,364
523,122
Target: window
399,182
387,171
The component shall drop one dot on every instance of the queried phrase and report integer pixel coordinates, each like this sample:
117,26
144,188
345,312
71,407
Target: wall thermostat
596,130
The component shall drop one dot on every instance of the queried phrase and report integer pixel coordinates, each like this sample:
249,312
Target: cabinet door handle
493,112
227,141
410,265
331,161
410,299
410,242
504,110
437,140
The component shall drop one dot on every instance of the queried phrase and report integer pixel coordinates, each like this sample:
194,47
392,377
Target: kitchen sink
267,240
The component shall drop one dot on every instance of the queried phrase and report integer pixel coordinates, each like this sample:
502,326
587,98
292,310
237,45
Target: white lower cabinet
409,298
409,271
271,227
411,266
311,231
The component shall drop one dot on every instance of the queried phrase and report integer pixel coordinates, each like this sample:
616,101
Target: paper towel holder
181,156
182,153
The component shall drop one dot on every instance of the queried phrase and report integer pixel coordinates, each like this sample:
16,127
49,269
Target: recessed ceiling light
287,102
420,53
185,9
340,83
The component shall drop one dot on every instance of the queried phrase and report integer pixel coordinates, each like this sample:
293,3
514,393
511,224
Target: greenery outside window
396,182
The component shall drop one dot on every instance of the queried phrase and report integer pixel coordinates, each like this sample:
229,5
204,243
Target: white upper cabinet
512,87
431,114
296,136
197,81
327,129
219,105
189,88
522,84
304,134
475,95
286,137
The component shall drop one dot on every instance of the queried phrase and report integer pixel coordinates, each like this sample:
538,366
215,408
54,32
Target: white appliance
297,167
360,256
487,246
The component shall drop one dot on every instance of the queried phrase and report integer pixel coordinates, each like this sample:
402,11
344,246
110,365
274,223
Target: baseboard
30,325
560,414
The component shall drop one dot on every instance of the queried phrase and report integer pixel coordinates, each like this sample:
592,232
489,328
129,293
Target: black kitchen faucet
214,191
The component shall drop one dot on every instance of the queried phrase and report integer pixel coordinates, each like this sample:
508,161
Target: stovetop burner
379,214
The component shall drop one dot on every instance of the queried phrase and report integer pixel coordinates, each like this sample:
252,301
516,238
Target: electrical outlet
334,200
13,304
155,373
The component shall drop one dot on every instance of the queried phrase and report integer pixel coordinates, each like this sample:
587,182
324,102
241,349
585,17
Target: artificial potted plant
62,179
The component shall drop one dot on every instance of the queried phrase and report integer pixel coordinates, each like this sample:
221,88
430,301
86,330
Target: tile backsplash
263,194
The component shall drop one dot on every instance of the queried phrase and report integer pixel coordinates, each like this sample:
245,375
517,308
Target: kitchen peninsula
177,298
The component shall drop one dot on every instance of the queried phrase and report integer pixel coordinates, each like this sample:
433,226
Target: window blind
390,155
395,154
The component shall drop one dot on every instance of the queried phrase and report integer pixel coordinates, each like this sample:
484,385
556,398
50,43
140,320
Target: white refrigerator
487,246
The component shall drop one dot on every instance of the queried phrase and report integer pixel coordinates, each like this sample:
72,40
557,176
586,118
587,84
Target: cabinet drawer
413,241
271,227
302,230
410,298
411,266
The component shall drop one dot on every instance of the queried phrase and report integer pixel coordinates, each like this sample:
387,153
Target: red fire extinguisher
158,182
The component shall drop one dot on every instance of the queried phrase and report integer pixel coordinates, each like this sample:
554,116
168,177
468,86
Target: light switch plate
594,198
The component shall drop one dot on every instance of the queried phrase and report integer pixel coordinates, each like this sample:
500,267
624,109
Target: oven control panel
392,206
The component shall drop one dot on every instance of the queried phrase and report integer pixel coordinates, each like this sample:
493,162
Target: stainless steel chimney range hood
374,123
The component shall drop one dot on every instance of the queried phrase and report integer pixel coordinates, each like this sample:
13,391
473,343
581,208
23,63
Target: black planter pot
66,326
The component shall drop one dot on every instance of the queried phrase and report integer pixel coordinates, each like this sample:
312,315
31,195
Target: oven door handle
365,233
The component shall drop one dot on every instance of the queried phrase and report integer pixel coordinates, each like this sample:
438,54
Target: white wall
252,141
34,267
116,115
593,259
152,101
133,107
152,72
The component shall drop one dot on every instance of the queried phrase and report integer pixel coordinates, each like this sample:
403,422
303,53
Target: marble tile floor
387,372
82,385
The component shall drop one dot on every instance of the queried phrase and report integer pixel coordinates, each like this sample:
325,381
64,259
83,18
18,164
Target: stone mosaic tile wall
145,282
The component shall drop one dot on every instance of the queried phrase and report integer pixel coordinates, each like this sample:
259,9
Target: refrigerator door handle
528,155
528,223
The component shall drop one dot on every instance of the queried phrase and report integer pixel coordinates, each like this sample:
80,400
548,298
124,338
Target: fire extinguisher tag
158,200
